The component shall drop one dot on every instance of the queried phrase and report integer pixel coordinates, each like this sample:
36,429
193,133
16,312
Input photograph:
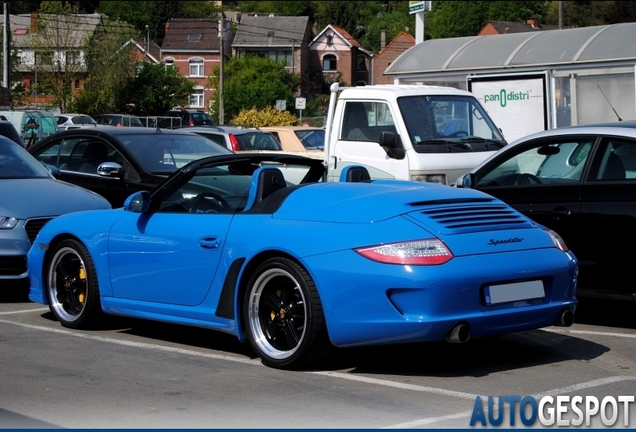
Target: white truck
408,132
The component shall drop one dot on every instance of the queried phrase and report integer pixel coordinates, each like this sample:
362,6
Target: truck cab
408,132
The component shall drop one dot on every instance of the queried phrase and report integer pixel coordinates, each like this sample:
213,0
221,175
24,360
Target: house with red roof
388,54
340,57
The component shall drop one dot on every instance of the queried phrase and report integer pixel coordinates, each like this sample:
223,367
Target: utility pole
6,52
221,62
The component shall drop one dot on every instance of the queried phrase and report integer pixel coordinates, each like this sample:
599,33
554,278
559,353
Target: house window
284,57
329,63
196,99
330,40
196,67
44,58
73,58
361,64
77,84
194,36
169,62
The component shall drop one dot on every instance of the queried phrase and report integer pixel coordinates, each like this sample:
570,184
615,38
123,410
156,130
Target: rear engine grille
33,227
12,265
477,218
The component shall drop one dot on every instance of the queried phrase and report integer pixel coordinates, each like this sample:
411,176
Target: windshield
257,141
312,139
163,153
447,122
16,162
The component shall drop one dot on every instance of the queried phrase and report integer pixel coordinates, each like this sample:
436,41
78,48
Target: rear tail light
419,252
234,142
191,122
557,240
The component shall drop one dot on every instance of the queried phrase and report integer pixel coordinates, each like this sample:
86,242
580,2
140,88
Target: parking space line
338,375
589,333
24,311
255,362
398,385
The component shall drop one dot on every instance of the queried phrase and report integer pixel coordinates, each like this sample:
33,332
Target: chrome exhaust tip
459,333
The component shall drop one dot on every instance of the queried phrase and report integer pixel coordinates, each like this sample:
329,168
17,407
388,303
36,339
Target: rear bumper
383,304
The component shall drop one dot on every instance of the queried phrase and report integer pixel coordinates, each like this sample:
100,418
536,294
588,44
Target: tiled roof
184,34
79,27
504,27
403,38
255,31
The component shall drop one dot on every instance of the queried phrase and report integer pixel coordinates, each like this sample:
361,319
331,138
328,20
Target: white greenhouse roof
540,49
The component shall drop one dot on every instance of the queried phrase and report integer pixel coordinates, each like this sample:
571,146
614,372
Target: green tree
467,18
109,65
61,37
153,90
252,82
393,19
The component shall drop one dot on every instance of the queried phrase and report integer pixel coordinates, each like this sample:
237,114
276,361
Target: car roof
224,129
617,128
291,128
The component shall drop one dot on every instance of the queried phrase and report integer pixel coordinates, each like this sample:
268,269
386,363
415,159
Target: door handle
209,243
561,211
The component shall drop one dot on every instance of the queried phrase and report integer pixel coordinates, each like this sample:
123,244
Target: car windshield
165,153
440,120
257,141
16,162
83,120
312,139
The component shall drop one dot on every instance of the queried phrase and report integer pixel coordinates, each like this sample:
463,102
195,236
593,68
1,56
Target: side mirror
110,169
392,145
138,202
53,170
466,181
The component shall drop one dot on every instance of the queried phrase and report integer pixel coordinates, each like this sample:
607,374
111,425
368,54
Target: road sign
301,103
281,104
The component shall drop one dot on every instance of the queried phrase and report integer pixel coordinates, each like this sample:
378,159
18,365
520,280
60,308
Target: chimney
382,39
34,22
167,26
534,22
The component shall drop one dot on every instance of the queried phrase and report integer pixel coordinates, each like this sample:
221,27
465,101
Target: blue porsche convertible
257,246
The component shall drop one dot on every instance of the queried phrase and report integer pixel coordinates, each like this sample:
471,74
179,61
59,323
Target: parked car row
549,212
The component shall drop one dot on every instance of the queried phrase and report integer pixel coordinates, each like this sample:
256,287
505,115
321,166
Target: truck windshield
443,123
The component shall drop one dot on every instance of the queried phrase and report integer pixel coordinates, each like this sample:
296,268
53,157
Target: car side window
82,155
543,162
615,161
218,189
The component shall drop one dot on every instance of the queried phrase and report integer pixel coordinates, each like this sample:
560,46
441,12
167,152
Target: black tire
283,316
71,286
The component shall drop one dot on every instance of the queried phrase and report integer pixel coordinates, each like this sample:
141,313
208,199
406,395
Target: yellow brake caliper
82,275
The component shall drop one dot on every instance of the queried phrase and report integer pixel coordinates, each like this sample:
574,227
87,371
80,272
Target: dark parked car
115,162
579,181
188,118
239,139
29,198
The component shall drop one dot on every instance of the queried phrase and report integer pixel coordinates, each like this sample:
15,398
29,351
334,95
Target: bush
268,116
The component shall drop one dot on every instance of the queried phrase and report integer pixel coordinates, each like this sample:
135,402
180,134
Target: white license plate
511,292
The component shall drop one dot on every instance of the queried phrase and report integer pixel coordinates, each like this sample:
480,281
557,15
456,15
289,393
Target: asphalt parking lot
140,374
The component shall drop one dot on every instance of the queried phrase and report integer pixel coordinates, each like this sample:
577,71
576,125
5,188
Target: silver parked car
30,197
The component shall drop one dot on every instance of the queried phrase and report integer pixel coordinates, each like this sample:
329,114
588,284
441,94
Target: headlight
430,178
418,252
7,222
